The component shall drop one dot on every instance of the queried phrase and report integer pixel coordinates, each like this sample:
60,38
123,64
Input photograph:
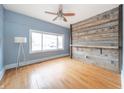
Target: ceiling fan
60,14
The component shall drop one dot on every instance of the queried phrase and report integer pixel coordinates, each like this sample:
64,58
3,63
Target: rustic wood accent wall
96,40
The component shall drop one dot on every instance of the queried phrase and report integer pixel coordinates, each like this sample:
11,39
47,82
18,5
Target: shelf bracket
101,51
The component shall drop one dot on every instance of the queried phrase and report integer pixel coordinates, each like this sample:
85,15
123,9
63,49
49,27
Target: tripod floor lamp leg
19,51
23,52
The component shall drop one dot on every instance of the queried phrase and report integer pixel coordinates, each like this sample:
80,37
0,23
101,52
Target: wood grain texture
95,39
60,73
101,30
103,18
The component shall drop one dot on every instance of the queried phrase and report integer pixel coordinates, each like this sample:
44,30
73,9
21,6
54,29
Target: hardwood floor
60,73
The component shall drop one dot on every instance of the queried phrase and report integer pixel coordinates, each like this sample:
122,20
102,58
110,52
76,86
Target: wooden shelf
87,46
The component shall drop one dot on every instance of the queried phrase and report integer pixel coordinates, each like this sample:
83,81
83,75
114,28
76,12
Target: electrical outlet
112,62
86,56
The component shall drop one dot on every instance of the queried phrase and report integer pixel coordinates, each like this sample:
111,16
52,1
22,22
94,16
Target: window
36,41
42,41
49,42
60,42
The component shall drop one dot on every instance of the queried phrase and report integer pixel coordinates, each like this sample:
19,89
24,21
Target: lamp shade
20,39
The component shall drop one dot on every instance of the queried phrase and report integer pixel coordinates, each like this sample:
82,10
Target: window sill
44,51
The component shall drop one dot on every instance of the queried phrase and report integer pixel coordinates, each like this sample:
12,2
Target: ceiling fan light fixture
60,14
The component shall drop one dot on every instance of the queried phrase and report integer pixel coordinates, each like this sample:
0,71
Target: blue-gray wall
16,24
1,36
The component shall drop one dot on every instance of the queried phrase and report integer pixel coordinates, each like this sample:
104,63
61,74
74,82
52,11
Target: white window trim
36,31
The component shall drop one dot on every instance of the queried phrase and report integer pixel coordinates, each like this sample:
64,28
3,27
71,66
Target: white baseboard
34,61
2,73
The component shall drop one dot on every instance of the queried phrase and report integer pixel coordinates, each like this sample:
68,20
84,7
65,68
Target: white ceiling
82,11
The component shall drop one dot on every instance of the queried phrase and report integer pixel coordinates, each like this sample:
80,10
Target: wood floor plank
61,73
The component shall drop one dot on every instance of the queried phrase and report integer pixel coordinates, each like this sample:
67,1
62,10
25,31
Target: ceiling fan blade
69,14
64,19
55,18
51,13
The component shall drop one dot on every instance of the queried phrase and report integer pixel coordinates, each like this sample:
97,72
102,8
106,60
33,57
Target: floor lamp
20,41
